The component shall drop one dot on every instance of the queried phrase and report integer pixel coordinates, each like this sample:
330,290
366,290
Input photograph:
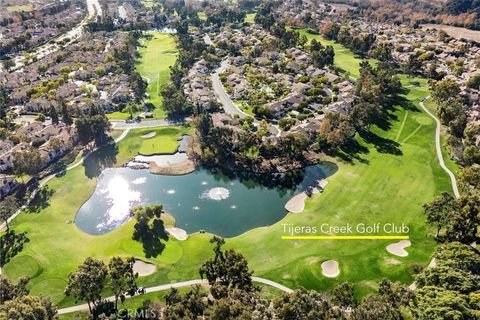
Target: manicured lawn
164,141
344,57
156,56
394,173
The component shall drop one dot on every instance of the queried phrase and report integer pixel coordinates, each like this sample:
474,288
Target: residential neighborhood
249,159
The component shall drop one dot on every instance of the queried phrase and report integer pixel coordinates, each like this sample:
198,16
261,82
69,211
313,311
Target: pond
203,200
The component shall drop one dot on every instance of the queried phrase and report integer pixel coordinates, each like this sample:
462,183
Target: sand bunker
143,268
164,160
330,269
149,135
177,233
297,203
398,248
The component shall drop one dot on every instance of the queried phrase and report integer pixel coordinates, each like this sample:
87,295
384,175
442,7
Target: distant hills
456,7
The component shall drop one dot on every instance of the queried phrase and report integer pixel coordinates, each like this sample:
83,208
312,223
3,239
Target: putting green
25,266
164,141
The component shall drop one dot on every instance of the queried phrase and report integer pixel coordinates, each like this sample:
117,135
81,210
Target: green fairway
345,59
392,175
154,140
157,55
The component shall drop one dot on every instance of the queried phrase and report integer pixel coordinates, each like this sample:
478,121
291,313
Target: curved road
217,86
163,287
438,147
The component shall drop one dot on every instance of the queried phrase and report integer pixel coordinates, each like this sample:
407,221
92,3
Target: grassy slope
156,57
382,187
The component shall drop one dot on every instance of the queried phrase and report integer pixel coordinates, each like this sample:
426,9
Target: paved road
163,287
438,147
221,94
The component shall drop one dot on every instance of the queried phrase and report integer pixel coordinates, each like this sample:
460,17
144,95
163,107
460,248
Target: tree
343,295
88,282
121,278
174,101
4,98
54,115
8,207
470,178
438,211
335,131
27,161
303,304
149,229
227,269
28,308
11,291
66,116
444,90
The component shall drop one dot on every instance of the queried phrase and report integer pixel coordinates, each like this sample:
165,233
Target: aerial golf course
392,174
157,53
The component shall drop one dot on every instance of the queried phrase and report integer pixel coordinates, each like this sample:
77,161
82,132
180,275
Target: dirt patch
143,268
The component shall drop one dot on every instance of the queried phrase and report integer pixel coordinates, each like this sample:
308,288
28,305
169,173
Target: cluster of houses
51,142
197,85
21,29
435,50
83,74
288,80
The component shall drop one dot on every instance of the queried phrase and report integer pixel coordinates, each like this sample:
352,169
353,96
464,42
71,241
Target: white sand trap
330,269
149,135
398,248
143,268
297,203
177,233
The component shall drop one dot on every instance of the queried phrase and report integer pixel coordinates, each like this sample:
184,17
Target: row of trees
452,113
93,276
175,103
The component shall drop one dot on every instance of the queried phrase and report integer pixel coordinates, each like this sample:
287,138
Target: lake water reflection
203,200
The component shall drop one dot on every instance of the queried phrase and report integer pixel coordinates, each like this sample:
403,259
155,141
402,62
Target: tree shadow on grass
101,159
350,152
382,145
11,244
41,200
151,237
